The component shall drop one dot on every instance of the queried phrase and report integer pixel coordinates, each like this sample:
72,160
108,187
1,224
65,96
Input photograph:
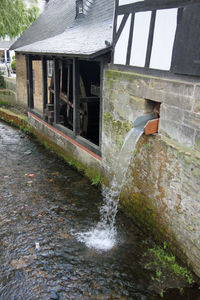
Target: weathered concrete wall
162,187
21,80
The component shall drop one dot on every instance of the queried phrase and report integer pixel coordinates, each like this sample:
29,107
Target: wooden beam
76,95
121,27
128,55
56,91
44,83
150,39
154,5
29,70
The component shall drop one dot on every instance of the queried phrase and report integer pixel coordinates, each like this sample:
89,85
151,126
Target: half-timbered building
92,68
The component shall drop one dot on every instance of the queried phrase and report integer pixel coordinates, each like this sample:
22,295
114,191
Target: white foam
99,239
103,236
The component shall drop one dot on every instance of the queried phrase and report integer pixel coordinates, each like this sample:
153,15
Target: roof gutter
86,56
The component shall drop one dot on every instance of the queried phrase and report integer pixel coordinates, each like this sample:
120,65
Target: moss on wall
143,212
91,173
19,121
116,127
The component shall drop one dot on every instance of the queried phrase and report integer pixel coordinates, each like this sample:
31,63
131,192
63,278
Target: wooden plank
64,97
151,127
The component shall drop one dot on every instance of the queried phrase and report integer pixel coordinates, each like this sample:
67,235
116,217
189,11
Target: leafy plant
16,17
167,259
13,63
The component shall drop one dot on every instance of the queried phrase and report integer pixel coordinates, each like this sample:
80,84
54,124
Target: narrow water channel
40,258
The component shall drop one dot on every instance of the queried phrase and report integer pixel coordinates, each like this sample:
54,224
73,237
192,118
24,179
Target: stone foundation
161,193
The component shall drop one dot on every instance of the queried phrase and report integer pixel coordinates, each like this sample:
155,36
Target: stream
43,201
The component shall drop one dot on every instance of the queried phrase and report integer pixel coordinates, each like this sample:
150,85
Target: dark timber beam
29,70
56,91
128,55
121,27
76,97
44,82
154,5
150,39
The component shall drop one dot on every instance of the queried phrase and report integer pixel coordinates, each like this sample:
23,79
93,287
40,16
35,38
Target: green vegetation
118,128
16,17
164,263
4,104
13,63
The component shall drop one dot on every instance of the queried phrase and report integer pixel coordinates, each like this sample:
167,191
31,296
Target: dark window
79,8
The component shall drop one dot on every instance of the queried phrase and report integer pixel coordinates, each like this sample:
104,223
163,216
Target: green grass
4,104
166,259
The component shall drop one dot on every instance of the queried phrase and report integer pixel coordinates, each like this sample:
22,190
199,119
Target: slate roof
4,45
58,31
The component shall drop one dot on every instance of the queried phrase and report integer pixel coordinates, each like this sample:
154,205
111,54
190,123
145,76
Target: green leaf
16,17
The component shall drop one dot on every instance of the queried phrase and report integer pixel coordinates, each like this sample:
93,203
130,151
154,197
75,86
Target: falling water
103,235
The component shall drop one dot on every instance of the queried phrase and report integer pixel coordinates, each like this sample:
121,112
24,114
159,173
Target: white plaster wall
140,39
163,41
122,44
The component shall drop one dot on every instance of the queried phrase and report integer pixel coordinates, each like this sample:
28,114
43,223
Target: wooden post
56,91
29,70
44,83
76,97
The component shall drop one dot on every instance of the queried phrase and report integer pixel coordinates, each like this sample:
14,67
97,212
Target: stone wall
21,80
72,152
161,193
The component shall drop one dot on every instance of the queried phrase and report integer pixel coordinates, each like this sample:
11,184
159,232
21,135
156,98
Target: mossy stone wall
161,193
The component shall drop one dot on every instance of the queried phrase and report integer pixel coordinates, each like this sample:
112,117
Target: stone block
171,113
186,136
169,128
192,119
172,86
197,99
197,140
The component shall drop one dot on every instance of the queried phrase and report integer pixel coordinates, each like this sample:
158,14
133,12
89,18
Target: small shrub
13,64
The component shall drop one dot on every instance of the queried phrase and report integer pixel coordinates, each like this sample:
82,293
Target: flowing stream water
103,236
41,200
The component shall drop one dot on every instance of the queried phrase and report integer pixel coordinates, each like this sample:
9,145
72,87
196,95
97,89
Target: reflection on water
39,257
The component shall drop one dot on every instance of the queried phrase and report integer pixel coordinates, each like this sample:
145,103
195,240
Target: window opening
88,110
66,94
90,100
79,7
49,68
